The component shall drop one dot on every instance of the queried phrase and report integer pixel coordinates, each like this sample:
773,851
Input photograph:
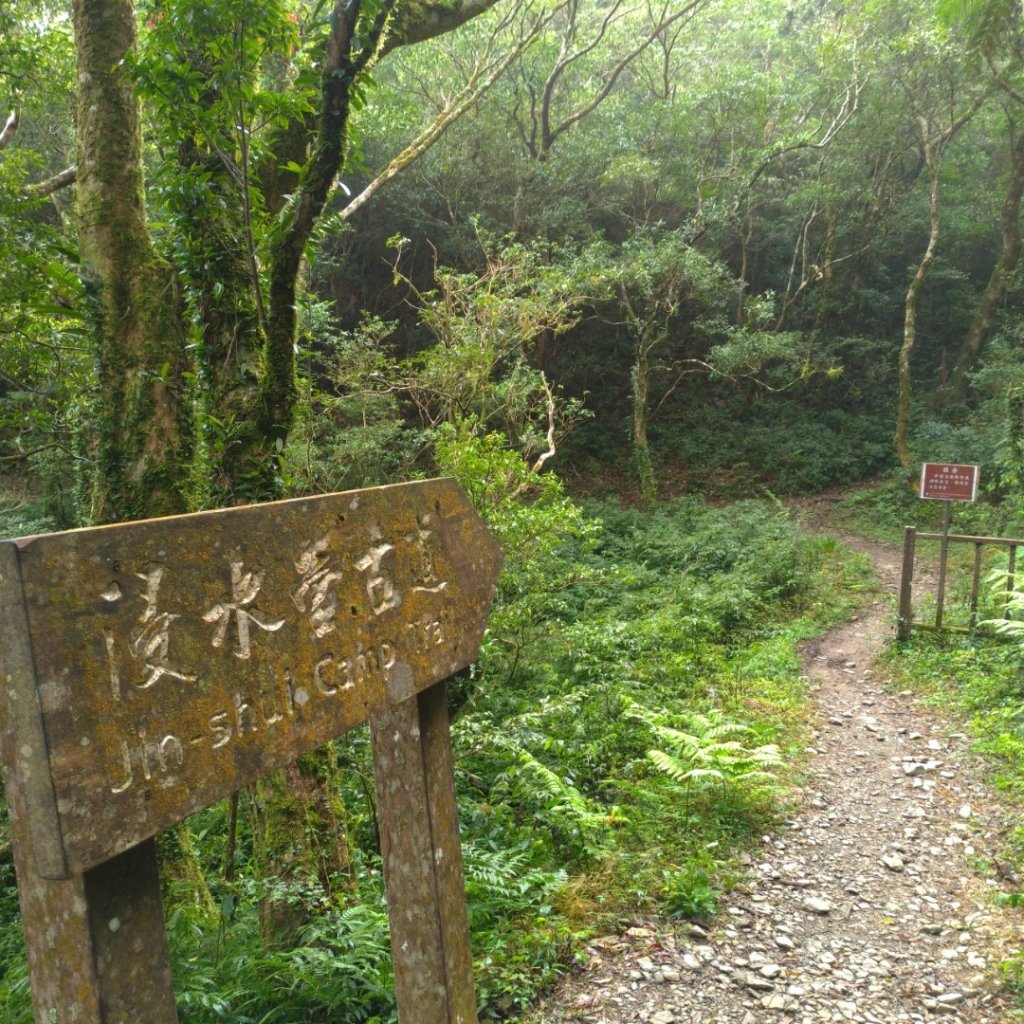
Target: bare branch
480,80
550,453
10,128
51,446
848,107
549,133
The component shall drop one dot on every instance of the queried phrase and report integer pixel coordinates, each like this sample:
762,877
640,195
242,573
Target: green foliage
708,749
341,961
14,1001
348,433
689,892
528,512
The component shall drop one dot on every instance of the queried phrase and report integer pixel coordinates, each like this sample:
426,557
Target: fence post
905,622
975,586
419,834
1011,569
940,599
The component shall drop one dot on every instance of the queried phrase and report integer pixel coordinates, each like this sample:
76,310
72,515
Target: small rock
778,1002
893,862
815,905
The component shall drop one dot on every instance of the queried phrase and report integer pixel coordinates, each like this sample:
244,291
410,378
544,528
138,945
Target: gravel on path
867,907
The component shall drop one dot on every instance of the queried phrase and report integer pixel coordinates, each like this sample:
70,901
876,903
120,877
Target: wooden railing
910,538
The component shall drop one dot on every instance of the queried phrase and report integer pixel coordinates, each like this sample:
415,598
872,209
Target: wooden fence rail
910,538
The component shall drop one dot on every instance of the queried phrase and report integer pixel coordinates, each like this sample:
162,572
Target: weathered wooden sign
152,668
946,481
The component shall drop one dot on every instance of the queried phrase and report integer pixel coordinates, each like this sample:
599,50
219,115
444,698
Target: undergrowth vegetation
629,726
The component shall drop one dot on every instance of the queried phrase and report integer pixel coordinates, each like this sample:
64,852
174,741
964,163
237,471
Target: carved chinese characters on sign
245,586
176,660
317,596
148,645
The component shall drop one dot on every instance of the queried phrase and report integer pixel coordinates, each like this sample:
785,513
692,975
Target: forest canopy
251,234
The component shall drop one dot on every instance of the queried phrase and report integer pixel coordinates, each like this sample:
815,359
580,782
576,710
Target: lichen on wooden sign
173,661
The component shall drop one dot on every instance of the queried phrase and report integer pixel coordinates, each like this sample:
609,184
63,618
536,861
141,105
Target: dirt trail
867,907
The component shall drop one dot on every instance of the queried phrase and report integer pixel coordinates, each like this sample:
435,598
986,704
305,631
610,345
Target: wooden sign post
948,482
152,668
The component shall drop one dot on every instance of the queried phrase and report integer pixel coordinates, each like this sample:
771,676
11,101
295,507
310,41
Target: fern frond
672,767
704,773
724,729
679,738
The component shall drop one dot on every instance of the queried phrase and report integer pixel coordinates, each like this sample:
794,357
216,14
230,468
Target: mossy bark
143,432
640,380
999,282
241,465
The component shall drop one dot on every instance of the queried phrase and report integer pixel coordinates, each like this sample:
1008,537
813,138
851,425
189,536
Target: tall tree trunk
742,283
144,428
225,291
640,380
995,291
827,271
905,401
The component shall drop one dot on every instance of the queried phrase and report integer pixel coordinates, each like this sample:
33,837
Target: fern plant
710,749
1010,600
582,825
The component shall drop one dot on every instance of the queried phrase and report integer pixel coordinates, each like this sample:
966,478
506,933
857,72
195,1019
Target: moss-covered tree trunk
143,428
225,291
1002,274
905,396
244,378
640,377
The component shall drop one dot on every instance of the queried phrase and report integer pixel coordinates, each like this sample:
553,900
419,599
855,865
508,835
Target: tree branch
10,128
418,22
551,134
46,188
478,82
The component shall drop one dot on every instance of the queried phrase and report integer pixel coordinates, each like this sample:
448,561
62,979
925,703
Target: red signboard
945,481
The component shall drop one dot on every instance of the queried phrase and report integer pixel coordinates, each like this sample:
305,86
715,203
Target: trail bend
868,906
